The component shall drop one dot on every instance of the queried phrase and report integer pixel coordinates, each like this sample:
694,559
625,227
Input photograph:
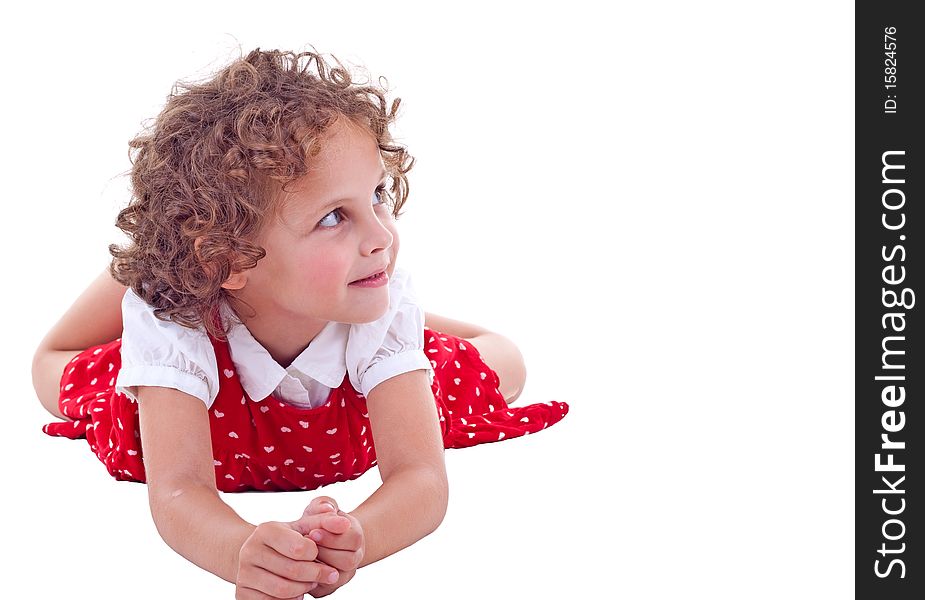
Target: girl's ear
235,281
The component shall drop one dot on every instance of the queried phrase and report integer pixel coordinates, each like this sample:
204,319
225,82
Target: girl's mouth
377,280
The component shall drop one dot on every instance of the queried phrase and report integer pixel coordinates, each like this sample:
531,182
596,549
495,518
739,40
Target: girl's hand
340,541
276,562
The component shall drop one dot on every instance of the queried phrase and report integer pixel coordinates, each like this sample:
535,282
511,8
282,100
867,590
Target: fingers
334,523
281,577
277,561
341,550
266,557
347,538
342,560
324,589
322,512
317,505
327,521
295,547
268,586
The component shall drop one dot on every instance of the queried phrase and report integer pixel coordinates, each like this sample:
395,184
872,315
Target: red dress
272,445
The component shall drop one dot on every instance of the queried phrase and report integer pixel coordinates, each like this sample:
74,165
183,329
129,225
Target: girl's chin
360,315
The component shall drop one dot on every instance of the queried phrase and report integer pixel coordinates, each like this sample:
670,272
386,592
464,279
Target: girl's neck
283,339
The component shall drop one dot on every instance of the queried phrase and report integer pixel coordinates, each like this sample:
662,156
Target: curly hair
206,175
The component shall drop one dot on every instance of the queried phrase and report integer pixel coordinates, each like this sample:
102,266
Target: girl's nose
377,237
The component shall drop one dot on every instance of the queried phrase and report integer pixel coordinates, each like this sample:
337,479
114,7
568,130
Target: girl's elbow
441,498
432,495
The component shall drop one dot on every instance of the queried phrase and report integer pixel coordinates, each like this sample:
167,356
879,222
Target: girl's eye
379,195
328,222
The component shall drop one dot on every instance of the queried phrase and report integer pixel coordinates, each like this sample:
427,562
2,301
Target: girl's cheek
324,267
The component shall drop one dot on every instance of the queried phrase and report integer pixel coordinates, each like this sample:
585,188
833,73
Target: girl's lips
377,280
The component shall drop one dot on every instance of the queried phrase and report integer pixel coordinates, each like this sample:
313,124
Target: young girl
256,333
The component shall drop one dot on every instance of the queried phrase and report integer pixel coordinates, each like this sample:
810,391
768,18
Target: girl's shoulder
139,317
146,339
161,352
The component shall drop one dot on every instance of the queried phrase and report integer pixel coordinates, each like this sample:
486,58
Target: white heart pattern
456,380
233,435
218,414
285,429
269,448
307,449
228,373
288,462
331,431
264,409
304,424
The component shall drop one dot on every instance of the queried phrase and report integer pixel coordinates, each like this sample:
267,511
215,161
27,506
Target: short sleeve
164,354
391,345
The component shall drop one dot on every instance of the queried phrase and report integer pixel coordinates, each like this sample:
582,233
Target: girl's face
333,229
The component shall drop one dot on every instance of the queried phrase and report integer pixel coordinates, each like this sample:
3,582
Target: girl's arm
188,512
412,500
272,558
94,318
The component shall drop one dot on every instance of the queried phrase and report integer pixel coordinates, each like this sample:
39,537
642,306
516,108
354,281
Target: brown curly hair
211,167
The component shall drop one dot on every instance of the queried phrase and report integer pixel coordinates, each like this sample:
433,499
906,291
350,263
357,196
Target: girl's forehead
345,151
348,165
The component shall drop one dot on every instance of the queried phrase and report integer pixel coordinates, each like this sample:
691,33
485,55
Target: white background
655,203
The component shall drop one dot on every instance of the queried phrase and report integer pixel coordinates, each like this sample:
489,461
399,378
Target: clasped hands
315,554
339,537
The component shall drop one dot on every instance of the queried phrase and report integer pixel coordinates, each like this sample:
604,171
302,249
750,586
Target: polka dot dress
272,445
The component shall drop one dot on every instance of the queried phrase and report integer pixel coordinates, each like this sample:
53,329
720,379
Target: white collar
324,360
